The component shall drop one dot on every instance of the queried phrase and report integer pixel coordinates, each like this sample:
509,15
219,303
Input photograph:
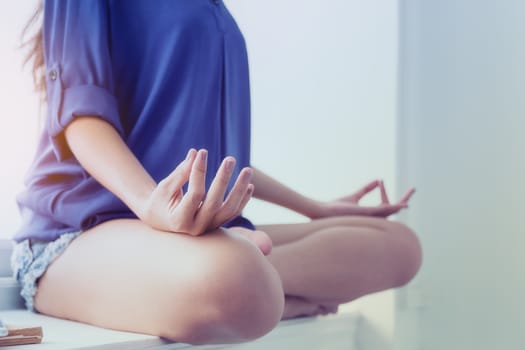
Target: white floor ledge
336,332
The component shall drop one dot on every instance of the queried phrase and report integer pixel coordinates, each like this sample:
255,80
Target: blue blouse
168,75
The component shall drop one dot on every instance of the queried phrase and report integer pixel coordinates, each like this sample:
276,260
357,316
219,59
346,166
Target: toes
298,307
329,309
263,241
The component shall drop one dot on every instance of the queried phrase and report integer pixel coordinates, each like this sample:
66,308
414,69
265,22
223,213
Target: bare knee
237,297
408,253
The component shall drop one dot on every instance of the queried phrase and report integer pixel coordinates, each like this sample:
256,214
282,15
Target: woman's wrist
312,208
268,189
139,202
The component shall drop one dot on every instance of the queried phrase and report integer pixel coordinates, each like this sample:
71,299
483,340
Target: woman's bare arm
101,151
269,189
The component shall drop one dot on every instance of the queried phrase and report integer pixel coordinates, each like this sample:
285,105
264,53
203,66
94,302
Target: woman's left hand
349,205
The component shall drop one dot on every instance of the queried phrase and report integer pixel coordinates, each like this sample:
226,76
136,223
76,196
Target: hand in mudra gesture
168,208
349,205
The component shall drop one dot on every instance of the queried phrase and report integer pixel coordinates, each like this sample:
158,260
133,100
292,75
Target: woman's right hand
195,212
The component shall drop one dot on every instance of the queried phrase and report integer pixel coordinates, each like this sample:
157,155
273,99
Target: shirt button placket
218,15
53,74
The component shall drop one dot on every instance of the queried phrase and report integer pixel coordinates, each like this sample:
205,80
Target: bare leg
217,288
331,261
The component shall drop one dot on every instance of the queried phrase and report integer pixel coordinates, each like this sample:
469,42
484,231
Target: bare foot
259,238
299,307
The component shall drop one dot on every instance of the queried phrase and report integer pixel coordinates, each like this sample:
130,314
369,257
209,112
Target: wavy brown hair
32,41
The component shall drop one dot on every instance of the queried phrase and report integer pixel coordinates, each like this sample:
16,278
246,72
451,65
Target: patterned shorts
3,329
31,259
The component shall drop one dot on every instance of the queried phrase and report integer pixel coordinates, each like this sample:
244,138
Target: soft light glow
20,115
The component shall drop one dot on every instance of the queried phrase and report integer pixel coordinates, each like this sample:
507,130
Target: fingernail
248,175
204,155
229,165
190,152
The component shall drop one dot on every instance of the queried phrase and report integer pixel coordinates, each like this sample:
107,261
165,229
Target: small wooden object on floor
22,336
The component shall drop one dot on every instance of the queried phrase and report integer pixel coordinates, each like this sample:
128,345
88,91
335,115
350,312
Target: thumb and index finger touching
372,185
385,201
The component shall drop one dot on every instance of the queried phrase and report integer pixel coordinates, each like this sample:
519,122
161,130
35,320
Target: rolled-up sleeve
79,76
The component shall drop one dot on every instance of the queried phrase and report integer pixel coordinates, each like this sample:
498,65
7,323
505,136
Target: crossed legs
124,275
331,261
219,288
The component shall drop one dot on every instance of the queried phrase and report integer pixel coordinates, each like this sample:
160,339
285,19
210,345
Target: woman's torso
179,74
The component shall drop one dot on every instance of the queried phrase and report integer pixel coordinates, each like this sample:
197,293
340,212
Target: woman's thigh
287,233
127,276
339,259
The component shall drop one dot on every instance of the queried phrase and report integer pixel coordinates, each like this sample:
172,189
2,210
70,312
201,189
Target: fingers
384,196
215,195
192,200
172,184
199,211
366,189
383,210
239,195
245,199
386,209
404,200
402,203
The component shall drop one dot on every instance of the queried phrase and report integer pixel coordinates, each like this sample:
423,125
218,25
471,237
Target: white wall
20,115
324,102
323,85
462,119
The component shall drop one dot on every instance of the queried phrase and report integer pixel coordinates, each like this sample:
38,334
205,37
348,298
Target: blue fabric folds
167,75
